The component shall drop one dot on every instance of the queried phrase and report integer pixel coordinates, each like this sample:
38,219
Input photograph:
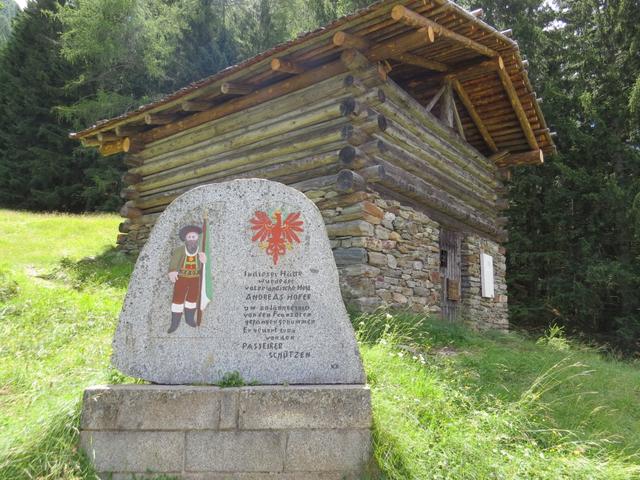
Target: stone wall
483,313
387,253
197,432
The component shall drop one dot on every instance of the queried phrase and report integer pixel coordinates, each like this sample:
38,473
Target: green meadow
448,402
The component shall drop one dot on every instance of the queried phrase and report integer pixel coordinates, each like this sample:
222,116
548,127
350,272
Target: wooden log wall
354,131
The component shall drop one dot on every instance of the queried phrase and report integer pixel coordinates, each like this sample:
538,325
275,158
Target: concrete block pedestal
211,433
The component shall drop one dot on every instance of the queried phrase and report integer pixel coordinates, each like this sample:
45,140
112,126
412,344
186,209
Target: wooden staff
203,249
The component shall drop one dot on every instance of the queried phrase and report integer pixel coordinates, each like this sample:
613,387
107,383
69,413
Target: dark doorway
450,273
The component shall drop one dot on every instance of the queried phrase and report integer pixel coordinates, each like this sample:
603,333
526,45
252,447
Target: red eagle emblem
275,237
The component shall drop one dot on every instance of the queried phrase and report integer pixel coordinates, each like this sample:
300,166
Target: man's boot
189,316
175,321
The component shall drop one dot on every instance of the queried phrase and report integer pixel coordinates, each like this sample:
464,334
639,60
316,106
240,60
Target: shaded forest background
574,250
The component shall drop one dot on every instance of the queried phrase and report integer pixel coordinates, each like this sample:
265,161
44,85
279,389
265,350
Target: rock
273,318
350,256
399,298
376,258
388,219
356,228
382,233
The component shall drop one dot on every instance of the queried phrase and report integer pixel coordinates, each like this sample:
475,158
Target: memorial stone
268,305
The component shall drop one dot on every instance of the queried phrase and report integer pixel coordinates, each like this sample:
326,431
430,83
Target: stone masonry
197,432
388,254
483,313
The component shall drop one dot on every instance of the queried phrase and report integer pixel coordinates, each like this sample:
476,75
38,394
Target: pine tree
206,45
8,10
37,170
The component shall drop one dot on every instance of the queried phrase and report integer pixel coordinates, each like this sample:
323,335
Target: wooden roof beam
533,157
400,13
90,142
519,110
456,115
121,145
128,130
194,106
419,61
436,97
104,137
236,88
286,66
158,118
468,104
393,49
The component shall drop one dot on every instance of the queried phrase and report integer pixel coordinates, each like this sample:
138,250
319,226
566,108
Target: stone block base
204,432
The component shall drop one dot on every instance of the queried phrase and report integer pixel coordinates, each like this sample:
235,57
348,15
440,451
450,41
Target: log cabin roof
422,45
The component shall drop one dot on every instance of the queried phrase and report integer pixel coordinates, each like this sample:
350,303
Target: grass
448,403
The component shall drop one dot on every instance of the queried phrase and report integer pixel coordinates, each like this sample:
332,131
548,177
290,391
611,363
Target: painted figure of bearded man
185,271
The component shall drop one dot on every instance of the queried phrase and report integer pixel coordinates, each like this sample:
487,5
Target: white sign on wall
486,275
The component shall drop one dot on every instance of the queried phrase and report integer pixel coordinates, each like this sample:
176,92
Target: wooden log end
398,12
124,227
383,124
348,107
347,155
129,194
339,38
128,210
431,34
373,173
349,181
131,178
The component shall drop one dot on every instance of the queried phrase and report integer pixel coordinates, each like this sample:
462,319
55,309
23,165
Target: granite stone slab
275,315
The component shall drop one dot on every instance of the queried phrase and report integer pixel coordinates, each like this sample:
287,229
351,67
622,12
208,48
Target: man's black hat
189,229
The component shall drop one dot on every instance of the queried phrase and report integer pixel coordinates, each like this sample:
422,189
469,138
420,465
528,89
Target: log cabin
401,122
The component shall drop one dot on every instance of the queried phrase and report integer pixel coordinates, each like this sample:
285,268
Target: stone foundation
387,253
205,432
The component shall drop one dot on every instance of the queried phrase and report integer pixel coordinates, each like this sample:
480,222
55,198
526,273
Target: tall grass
433,421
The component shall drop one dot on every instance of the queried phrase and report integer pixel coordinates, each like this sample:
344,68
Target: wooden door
450,273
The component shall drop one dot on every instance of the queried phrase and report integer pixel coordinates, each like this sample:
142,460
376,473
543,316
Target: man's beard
192,246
